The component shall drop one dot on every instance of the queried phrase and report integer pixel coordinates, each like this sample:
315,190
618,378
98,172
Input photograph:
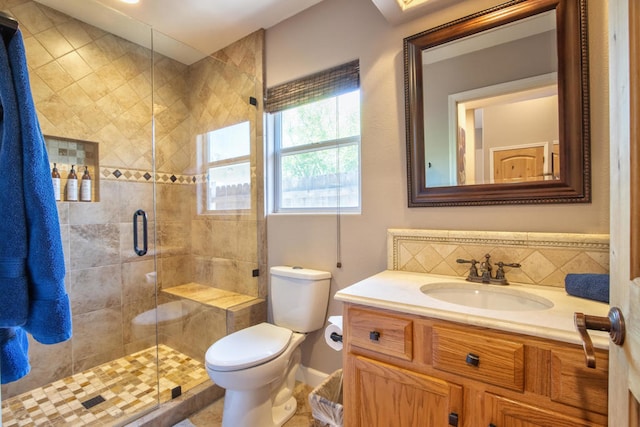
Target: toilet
257,365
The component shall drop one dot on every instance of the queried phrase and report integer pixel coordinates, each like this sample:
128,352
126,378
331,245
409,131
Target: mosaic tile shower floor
128,386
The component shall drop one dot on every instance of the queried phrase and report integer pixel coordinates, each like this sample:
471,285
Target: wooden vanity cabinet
403,370
387,395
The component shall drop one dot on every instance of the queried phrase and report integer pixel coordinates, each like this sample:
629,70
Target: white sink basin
489,297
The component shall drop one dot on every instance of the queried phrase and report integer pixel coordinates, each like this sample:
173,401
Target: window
317,152
317,144
228,169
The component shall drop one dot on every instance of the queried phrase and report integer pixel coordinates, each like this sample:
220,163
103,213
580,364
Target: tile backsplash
545,258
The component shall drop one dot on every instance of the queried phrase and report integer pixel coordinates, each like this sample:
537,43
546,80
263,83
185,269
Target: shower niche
66,153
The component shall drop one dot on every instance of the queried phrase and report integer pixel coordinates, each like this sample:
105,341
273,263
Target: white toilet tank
299,298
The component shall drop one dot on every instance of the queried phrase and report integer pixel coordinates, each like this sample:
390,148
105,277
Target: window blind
324,84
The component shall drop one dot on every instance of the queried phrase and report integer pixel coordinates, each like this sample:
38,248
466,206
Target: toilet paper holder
333,333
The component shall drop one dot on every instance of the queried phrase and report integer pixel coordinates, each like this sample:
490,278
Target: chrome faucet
485,276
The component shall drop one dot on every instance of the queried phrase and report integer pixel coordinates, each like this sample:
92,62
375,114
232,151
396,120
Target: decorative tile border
545,258
135,175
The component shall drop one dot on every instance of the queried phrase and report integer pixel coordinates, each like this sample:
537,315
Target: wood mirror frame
574,185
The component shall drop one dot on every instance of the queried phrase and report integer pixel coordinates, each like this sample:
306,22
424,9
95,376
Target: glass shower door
93,94
143,119
209,214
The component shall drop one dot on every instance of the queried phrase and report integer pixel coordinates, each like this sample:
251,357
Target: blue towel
14,299
32,293
49,319
591,286
13,357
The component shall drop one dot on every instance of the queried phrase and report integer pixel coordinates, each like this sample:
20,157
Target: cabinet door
382,395
508,413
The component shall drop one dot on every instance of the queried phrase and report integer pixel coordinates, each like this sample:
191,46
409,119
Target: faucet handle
473,270
513,264
500,271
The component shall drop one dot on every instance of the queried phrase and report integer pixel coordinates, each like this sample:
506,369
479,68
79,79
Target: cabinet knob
374,335
473,359
492,425
613,323
453,419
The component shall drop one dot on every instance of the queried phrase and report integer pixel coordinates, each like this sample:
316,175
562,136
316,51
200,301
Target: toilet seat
248,347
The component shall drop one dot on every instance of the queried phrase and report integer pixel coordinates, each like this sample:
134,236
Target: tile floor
211,416
128,385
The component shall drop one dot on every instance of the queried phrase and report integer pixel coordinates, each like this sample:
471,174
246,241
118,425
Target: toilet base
242,409
282,413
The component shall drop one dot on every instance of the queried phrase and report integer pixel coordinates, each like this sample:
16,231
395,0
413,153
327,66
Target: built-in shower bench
241,310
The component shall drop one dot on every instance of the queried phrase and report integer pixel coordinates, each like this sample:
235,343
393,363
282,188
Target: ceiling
185,30
188,30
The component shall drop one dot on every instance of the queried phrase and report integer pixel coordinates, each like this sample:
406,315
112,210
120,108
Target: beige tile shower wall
88,84
174,208
545,258
225,247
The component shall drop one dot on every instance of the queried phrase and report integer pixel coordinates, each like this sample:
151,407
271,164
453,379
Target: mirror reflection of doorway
492,118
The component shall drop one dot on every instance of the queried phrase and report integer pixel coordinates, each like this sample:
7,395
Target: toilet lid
248,347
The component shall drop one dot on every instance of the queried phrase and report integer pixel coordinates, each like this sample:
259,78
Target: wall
303,45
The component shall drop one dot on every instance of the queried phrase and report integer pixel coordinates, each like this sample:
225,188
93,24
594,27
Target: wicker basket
326,402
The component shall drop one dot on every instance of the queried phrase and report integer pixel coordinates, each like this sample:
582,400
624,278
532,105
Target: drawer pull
374,336
453,419
473,359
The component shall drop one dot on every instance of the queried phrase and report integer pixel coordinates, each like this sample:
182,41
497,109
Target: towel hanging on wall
32,293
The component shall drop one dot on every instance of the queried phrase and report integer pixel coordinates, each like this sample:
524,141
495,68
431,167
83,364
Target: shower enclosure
174,149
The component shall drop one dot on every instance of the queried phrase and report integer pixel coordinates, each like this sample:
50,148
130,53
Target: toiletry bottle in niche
55,177
72,185
85,186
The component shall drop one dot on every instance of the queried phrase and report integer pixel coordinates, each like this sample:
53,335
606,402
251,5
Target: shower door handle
136,248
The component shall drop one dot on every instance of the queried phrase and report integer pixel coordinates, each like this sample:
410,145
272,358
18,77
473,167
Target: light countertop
400,291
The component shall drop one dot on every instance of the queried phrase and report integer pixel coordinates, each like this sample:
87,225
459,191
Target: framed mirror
497,107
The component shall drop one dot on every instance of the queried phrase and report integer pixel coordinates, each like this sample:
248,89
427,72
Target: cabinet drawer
506,412
385,334
484,358
572,383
